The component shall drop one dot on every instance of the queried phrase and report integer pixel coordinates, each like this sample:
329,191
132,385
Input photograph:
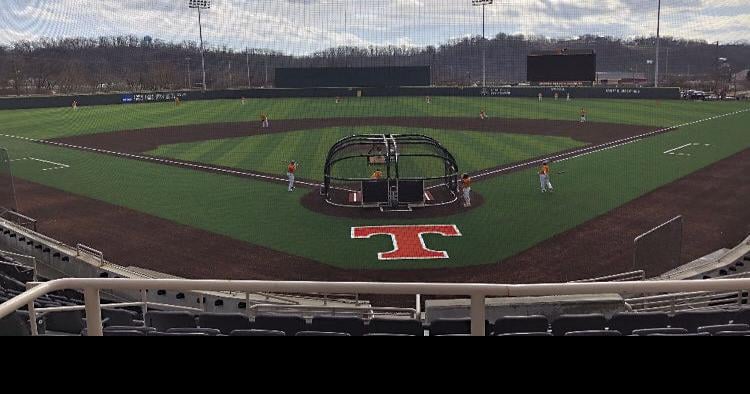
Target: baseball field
199,190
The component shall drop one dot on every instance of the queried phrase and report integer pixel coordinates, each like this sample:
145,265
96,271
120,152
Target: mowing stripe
602,147
560,157
163,161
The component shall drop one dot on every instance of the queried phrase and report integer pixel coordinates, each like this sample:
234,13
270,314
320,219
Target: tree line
130,63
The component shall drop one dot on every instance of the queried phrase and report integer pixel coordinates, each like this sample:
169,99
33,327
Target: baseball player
177,101
290,170
583,115
377,175
75,105
557,95
482,114
544,177
428,99
243,100
568,97
264,121
466,186
540,97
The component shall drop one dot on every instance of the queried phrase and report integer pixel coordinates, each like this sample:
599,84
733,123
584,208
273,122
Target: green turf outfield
60,122
515,217
270,153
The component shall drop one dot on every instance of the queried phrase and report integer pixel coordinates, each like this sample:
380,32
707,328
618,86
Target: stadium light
483,3
201,5
658,44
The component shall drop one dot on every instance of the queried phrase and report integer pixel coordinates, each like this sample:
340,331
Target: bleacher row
161,323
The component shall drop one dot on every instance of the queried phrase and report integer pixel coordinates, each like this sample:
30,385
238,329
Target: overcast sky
304,26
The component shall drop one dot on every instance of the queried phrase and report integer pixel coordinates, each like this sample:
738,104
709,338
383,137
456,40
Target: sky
305,26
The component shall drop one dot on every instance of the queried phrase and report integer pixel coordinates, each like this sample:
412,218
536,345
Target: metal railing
81,248
22,220
624,277
477,292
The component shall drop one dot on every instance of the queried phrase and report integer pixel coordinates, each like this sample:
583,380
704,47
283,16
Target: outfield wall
512,92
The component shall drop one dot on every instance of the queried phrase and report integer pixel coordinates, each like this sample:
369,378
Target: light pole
658,44
247,60
483,3
189,78
201,5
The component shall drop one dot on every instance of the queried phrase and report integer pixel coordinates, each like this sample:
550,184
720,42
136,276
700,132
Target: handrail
94,252
477,292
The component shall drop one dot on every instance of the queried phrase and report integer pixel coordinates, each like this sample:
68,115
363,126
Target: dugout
390,171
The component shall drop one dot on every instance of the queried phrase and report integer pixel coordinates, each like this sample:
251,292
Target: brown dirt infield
599,247
144,140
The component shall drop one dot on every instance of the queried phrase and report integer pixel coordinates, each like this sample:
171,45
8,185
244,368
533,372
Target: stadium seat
124,333
208,331
691,320
257,333
321,334
521,324
163,321
569,323
724,328
119,317
650,331
178,334
627,322
14,325
128,328
225,322
594,333
70,322
353,326
700,334
525,334
742,316
388,335
396,326
291,325
442,327
732,334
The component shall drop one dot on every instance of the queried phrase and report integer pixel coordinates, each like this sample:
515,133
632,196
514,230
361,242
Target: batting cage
390,171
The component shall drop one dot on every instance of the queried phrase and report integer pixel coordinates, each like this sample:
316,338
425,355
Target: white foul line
564,156
158,160
678,148
605,146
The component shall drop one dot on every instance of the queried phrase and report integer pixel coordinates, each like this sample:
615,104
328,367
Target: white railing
478,292
81,248
624,277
